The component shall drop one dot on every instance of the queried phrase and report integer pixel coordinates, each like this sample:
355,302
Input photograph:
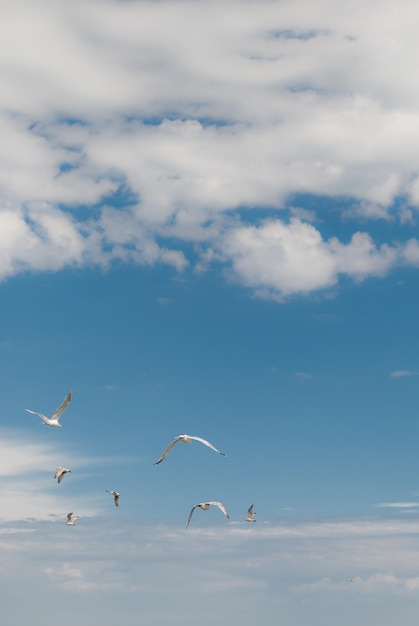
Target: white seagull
352,579
186,439
205,506
115,496
53,421
70,519
60,472
250,514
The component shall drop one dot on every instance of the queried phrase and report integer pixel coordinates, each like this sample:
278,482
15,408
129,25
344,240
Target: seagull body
250,514
186,439
60,473
71,518
115,496
205,506
53,421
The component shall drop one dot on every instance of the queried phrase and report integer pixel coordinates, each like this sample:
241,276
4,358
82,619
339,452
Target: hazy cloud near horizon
228,566
125,138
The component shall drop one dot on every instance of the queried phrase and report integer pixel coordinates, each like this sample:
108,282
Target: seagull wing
43,417
69,517
221,507
115,496
59,473
206,443
250,510
166,452
62,474
190,514
62,406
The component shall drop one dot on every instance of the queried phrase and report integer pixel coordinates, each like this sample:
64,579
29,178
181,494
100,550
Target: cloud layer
169,575
125,138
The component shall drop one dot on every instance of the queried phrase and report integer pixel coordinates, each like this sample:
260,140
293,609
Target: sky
209,225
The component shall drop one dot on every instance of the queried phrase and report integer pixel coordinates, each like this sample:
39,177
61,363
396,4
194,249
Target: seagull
70,519
352,579
186,439
59,473
205,506
53,421
250,514
115,496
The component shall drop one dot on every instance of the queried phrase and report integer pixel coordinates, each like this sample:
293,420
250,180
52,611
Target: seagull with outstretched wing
205,506
53,421
60,472
250,514
71,519
186,439
116,496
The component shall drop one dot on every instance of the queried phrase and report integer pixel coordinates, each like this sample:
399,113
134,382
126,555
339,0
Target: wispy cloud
303,375
403,373
223,560
398,505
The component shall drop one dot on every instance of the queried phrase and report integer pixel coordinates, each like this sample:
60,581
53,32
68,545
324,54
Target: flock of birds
60,472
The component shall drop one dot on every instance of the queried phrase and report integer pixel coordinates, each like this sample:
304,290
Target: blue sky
209,225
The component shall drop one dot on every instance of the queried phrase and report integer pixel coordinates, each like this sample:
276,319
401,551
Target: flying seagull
70,519
250,514
115,496
186,439
205,506
60,472
53,421
352,579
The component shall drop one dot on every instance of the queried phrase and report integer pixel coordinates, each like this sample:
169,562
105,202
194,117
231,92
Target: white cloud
361,258
121,132
398,505
281,259
297,572
411,252
222,564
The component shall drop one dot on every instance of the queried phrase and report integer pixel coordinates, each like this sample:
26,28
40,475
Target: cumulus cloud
281,259
411,252
127,139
